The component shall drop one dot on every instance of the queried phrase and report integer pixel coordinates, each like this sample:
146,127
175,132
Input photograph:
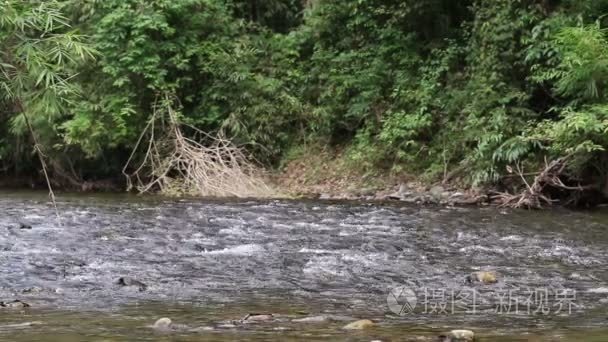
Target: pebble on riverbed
359,325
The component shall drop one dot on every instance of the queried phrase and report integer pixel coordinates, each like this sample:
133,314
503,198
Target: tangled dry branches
534,195
198,164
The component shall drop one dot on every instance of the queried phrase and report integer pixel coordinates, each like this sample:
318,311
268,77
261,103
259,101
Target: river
207,263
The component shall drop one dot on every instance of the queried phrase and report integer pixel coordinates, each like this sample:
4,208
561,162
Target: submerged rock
257,318
359,325
16,304
323,319
202,329
458,336
483,277
163,324
129,282
312,319
34,289
19,325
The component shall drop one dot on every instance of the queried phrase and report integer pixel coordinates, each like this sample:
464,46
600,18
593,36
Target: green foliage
225,78
422,86
583,67
39,54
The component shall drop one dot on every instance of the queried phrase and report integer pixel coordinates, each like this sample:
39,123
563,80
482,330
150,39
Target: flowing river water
207,263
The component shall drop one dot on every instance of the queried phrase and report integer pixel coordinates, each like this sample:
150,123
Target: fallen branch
199,164
534,195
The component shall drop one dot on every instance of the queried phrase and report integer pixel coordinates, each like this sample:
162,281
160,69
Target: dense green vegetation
445,89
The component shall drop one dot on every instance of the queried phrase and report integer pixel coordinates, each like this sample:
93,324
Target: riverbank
329,174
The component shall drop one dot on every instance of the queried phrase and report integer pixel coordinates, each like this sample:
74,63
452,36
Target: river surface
207,263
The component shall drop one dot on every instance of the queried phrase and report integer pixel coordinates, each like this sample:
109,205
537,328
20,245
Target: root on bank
196,163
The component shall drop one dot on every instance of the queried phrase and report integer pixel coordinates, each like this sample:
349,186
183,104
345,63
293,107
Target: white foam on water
229,220
598,290
33,217
318,251
515,238
462,236
324,266
101,265
312,225
232,231
248,249
366,260
282,226
199,239
479,248
338,264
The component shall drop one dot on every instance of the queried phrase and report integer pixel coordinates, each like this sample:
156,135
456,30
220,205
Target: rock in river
311,319
16,304
257,318
323,319
126,281
25,226
359,325
482,277
458,336
163,324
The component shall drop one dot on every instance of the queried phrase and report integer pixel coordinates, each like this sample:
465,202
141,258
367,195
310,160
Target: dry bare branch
199,164
534,195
